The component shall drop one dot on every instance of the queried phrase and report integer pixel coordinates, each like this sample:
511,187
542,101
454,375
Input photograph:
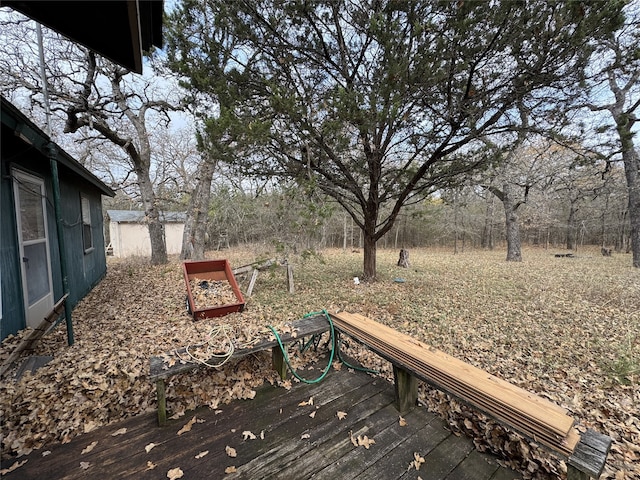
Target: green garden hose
333,346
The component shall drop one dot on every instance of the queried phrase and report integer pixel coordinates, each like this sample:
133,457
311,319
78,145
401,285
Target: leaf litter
565,330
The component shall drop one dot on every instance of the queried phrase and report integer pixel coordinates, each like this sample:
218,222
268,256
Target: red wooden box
211,270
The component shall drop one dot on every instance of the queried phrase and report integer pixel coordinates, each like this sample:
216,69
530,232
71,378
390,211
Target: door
33,239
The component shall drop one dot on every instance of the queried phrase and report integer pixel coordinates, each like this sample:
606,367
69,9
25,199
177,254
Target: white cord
213,334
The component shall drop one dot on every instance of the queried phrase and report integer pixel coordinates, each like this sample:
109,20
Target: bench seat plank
537,418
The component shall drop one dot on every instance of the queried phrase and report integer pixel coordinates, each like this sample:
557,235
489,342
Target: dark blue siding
10,279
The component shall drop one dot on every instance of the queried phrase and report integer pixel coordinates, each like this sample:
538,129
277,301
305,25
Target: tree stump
403,261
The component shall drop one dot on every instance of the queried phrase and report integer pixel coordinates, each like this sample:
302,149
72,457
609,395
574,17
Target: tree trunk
344,234
195,228
487,231
625,121
514,251
369,257
571,228
152,214
632,171
369,246
455,223
403,261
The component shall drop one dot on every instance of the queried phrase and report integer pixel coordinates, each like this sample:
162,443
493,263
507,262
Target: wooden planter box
211,270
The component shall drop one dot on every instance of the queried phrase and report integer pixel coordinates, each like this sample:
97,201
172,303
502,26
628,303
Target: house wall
132,239
10,280
84,270
13,311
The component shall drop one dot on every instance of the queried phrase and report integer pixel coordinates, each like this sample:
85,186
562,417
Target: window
87,238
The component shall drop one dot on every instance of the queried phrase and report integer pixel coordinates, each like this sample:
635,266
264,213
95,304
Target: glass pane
86,237
31,214
86,211
35,265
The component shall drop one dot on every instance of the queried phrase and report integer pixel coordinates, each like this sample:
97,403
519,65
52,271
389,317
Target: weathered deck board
285,452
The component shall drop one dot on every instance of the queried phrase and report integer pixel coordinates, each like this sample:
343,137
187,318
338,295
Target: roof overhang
31,135
120,30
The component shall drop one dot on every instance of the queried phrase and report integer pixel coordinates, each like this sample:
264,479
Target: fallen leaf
365,441
230,451
418,460
13,467
305,435
402,422
341,415
262,435
313,414
84,465
89,426
88,448
353,440
151,465
247,435
149,447
46,453
187,426
305,403
202,454
175,473
230,470
122,431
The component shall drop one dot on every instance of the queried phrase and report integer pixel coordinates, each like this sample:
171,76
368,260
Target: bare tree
518,170
98,99
616,66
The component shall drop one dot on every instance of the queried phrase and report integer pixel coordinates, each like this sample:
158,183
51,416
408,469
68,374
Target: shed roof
137,216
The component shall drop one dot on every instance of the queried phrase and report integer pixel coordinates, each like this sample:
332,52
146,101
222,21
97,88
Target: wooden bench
535,417
165,366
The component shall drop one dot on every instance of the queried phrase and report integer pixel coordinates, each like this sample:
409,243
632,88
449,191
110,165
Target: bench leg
406,389
278,363
162,403
574,474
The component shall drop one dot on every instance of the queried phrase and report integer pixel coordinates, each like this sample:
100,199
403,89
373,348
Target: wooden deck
294,444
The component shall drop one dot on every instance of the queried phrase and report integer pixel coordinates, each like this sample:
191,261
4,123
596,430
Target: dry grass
565,328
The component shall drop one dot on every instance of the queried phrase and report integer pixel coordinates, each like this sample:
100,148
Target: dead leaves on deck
361,440
175,473
88,448
13,467
187,426
417,461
